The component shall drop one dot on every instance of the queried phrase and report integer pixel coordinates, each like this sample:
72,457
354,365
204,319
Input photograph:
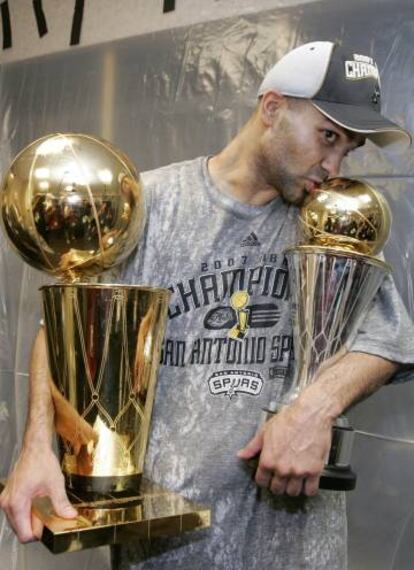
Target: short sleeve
388,331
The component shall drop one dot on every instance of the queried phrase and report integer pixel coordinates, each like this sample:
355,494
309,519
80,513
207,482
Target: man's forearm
39,428
351,379
37,471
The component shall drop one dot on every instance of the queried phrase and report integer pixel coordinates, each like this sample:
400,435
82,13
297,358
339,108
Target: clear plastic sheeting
178,94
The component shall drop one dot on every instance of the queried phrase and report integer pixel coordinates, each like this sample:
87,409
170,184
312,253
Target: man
215,234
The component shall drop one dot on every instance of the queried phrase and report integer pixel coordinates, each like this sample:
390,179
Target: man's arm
37,471
295,443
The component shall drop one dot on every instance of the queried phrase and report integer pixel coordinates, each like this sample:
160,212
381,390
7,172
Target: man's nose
332,164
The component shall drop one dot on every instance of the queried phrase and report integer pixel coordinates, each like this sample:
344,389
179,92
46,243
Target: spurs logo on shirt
232,382
239,306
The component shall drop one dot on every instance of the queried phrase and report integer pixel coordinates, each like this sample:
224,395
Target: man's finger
37,527
294,486
311,485
20,520
263,477
252,448
278,485
61,505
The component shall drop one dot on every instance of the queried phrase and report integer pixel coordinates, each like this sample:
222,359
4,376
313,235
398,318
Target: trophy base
114,520
94,487
337,479
337,474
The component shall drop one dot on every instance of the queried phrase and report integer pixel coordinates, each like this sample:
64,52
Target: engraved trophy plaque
334,276
73,205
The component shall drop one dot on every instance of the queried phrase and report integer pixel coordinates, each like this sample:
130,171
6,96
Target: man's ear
271,103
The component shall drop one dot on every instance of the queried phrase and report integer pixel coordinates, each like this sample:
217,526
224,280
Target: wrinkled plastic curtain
177,94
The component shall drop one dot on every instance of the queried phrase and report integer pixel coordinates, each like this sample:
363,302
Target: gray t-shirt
216,376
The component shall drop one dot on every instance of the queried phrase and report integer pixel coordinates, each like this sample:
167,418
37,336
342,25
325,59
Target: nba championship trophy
73,206
334,276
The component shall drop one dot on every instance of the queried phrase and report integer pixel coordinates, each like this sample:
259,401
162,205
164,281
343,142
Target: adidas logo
251,239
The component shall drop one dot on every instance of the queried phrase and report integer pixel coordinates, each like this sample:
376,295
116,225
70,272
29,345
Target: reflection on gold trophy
73,206
334,275
238,301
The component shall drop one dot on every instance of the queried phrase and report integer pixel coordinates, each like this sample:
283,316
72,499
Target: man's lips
312,185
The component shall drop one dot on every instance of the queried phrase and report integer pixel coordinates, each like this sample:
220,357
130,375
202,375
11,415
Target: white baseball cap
343,85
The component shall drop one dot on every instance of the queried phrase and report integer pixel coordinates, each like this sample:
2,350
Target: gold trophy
334,275
238,301
73,205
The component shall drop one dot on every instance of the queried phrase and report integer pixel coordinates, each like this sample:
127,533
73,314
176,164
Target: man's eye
330,136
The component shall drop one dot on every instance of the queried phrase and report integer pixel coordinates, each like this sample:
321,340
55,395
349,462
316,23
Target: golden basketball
349,214
72,205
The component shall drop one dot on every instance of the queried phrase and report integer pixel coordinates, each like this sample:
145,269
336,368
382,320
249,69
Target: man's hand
293,447
295,443
36,473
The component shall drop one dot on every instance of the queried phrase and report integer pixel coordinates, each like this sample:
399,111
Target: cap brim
366,121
